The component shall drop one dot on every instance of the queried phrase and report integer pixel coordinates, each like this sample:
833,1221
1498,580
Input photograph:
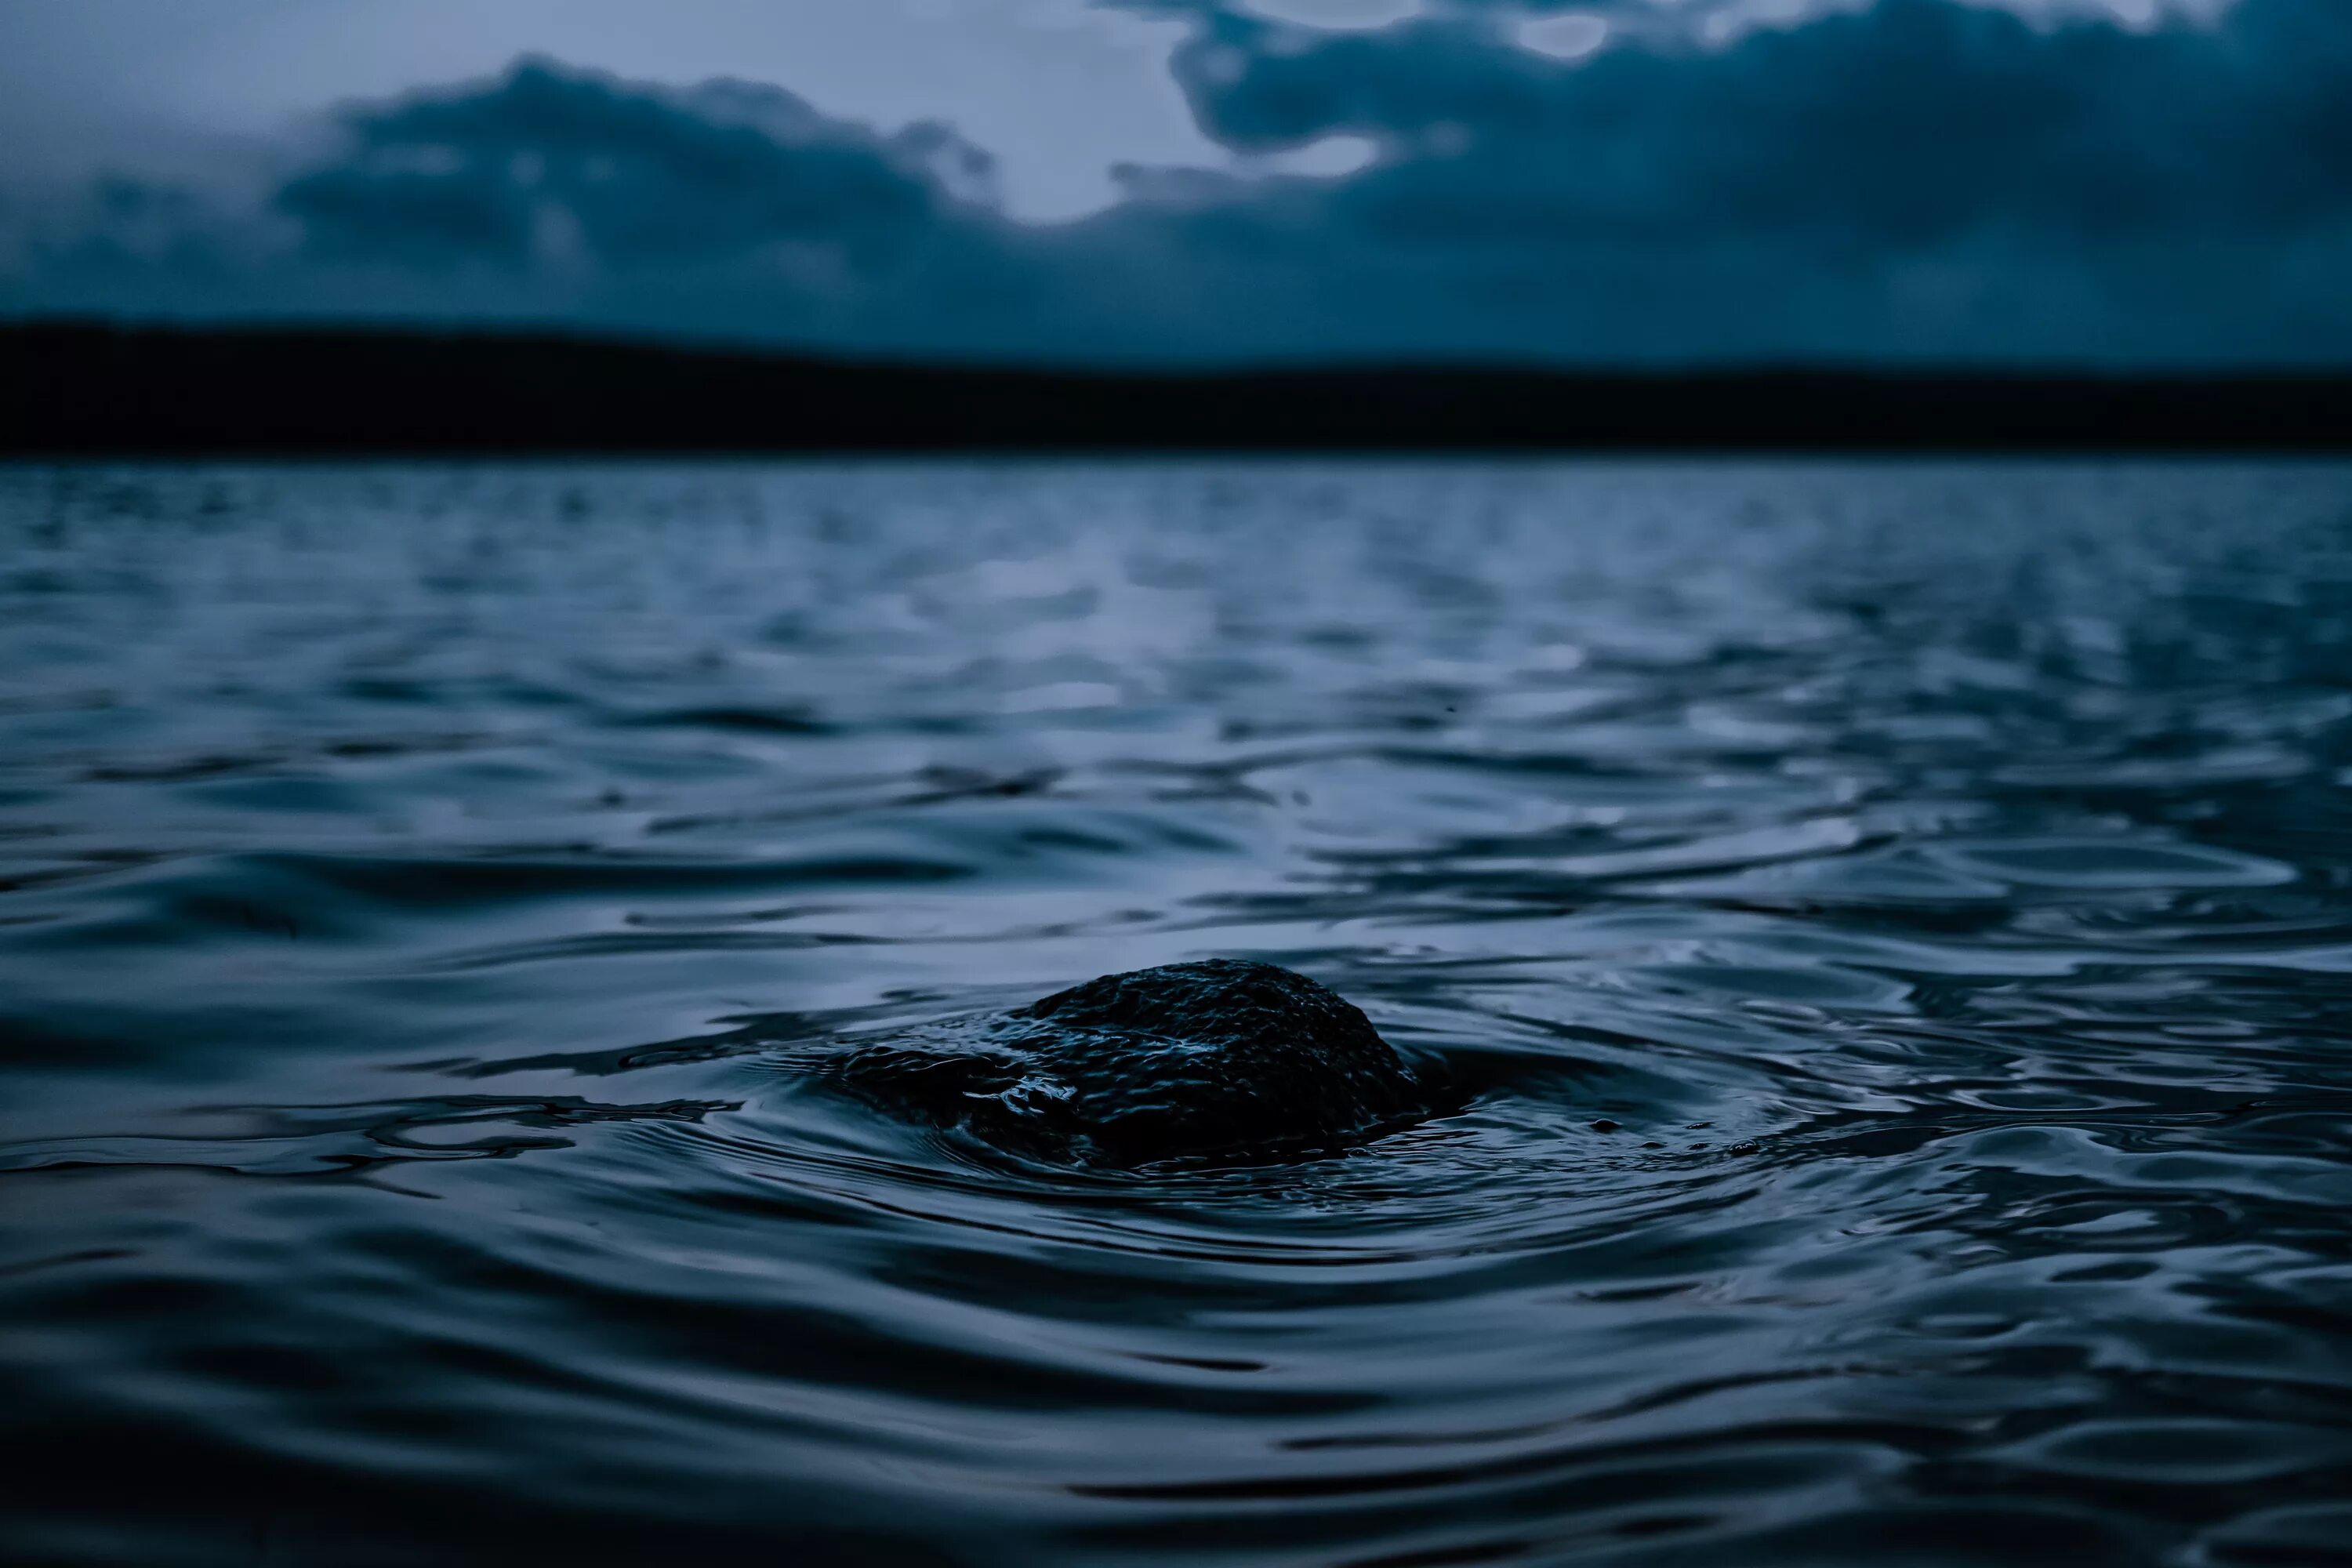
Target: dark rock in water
1217,1061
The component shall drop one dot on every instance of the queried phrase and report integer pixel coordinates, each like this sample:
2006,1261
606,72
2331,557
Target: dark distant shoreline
86,389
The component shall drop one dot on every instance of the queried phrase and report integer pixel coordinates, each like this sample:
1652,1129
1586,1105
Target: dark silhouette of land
84,388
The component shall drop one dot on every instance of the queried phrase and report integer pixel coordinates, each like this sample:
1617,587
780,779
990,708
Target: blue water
1899,917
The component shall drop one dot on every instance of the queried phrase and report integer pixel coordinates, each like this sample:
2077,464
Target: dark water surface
1899,920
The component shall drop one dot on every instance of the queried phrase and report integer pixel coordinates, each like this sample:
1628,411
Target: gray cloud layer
1919,179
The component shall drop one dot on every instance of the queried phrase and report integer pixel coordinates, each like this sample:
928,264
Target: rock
1220,1061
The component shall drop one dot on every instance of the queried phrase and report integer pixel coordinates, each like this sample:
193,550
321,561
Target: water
1900,918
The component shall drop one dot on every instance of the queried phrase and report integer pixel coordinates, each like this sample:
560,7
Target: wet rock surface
1218,1061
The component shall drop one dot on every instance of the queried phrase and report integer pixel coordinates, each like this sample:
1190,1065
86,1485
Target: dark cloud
1900,125
547,164
1918,178
730,209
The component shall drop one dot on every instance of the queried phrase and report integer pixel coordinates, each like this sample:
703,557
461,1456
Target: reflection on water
1898,920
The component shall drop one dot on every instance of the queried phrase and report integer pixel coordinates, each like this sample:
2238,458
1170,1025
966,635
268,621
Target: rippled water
1899,918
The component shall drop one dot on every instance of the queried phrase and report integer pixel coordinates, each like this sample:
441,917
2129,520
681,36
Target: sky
2085,183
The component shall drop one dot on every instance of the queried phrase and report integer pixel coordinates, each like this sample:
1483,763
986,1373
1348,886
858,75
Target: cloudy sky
2083,181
